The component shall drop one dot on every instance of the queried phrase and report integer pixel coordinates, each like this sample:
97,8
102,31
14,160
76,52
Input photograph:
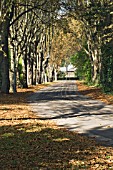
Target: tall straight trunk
40,67
4,32
13,72
25,83
5,58
55,74
95,66
31,71
95,58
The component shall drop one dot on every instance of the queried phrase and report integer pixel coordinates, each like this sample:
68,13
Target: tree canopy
36,36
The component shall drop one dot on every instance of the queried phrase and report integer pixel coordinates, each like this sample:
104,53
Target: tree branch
26,11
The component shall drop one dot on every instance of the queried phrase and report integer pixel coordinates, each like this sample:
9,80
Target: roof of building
69,68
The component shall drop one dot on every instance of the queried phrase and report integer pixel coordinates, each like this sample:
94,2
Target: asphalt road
62,103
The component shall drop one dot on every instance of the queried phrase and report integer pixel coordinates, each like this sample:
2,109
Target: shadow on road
64,105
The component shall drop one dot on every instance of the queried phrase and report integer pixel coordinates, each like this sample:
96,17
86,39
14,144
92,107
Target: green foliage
63,63
95,24
97,17
107,68
61,74
82,62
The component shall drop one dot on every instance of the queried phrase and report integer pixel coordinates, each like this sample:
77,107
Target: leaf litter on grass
26,142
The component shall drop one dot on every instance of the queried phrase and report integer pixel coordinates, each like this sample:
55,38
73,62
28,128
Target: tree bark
5,57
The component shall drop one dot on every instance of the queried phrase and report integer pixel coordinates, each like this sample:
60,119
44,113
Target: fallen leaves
94,92
26,142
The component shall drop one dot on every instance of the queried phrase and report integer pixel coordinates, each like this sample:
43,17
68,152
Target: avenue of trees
26,32
37,36
97,19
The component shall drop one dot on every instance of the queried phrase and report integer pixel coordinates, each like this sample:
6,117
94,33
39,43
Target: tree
96,17
65,41
82,22
83,65
17,13
6,16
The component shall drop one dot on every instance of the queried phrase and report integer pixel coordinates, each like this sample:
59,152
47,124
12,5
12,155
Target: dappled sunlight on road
63,104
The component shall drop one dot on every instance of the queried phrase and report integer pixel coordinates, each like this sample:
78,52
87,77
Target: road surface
63,104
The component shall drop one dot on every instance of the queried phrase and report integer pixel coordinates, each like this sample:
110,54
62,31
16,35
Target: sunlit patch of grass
7,134
35,129
78,164
40,144
61,139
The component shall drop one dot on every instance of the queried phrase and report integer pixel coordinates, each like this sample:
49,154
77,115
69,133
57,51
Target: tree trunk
55,75
40,67
5,58
94,48
25,76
